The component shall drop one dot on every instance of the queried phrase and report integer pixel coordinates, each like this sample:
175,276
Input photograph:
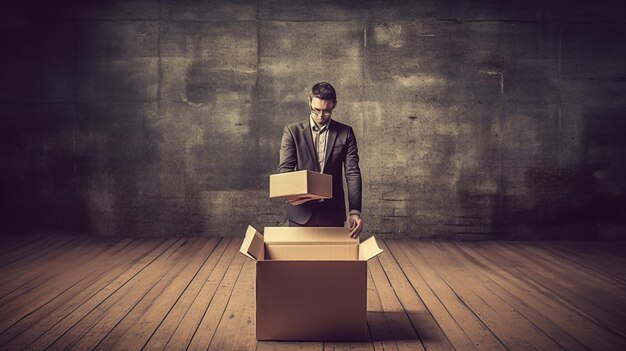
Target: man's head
322,101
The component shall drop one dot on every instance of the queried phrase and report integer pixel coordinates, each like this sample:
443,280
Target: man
323,145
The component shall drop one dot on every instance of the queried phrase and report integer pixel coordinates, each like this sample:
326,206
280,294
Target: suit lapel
330,143
306,131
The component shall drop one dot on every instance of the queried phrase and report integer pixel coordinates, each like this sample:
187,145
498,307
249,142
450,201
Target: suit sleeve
353,173
288,155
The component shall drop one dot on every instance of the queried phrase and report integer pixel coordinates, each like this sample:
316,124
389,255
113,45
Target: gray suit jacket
297,153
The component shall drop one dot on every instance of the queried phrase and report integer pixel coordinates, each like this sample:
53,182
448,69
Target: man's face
321,110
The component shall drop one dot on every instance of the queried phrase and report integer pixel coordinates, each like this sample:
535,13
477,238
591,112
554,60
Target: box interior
283,243
307,244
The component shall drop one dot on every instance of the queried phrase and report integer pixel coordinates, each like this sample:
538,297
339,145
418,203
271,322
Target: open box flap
253,245
369,249
308,235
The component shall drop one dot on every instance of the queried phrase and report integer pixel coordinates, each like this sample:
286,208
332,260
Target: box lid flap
253,245
308,235
369,249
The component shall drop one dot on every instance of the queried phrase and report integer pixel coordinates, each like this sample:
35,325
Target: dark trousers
308,224
315,221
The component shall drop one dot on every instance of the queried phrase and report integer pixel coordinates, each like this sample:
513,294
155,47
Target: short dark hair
324,91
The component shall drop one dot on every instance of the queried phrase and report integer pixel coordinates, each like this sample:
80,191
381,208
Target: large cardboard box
311,283
301,184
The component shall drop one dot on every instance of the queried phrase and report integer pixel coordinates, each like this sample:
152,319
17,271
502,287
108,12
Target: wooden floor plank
480,275
79,322
569,290
357,346
607,312
11,248
35,323
10,243
130,296
469,323
575,324
507,323
36,263
236,328
130,261
401,326
72,292
432,304
36,247
430,334
605,252
80,263
40,269
380,329
49,249
30,274
213,315
175,316
612,270
135,329
336,346
289,346
190,324
608,269
586,279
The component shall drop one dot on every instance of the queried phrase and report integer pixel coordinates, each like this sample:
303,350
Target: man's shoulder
296,125
341,128
336,124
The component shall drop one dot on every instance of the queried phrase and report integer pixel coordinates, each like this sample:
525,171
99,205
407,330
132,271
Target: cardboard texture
311,300
312,252
253,245
308,235
311,283
300,185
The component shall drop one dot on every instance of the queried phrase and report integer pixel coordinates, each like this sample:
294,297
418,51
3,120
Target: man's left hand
355,224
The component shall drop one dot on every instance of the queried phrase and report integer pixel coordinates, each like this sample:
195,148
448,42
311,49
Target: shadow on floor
396,326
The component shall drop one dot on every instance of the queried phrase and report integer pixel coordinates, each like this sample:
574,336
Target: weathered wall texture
474,118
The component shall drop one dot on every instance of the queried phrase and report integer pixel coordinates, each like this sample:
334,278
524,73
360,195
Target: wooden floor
84,293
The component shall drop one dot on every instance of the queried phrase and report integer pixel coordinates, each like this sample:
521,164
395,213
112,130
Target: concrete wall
475,119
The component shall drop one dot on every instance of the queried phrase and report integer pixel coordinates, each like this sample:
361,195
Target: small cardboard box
301,184
311,283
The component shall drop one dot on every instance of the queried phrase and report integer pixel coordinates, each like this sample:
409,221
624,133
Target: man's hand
299,201
355,224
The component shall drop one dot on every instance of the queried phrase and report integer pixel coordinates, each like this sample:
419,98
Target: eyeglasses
322,112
